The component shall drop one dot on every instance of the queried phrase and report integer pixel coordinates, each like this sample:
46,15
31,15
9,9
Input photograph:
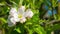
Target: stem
58,8
3,31
10,30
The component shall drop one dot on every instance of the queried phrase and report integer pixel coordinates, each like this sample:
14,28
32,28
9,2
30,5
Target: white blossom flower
19,16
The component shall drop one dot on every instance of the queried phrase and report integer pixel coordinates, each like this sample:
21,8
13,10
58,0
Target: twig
54,22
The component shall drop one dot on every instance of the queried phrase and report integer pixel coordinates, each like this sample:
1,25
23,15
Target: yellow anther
19,16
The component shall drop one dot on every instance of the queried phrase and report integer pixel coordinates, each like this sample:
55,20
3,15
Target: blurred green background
46,19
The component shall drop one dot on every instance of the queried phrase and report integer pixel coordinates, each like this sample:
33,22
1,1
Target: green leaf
39,29
18,30
3,20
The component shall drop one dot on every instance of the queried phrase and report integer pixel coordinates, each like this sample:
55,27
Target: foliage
31,26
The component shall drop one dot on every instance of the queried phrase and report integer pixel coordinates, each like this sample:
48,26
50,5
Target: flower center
20,16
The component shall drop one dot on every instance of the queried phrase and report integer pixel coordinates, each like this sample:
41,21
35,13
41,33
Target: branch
54,22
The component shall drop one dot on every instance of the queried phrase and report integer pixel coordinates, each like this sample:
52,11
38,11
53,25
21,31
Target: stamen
19,15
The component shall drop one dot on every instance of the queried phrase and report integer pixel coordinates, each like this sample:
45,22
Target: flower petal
22,20
16,19
13,11
21,10
28,13
11,22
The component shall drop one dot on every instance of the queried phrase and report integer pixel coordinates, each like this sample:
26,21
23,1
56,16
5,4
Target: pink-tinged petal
21,10
22,20
28,13
17,19
13,11
11,22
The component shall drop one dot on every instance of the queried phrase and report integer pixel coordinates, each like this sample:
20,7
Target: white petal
28,13
21,10
17,19
22,20
13,11
15,15
11,22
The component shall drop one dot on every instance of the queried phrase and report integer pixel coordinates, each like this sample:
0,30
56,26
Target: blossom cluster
19,15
